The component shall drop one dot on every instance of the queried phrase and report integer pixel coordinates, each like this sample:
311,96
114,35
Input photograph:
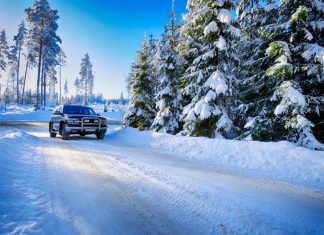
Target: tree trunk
60,84
44,89
18,68
24,84
42,85
39,73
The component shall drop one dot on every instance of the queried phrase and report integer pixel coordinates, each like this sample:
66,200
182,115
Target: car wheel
65,134
100,136
52,134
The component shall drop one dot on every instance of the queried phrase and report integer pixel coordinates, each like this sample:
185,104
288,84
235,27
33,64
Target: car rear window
78,110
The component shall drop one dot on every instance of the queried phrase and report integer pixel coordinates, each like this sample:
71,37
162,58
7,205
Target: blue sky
111,31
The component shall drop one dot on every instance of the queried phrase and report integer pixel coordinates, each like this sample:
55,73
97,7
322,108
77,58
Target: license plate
91,129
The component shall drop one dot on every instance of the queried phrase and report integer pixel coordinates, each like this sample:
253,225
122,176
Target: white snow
211,28
234,31
316,51
319,5
146,183
224,16
224,122
205,111
220,3
308,35
221,44
270,7
217,82
274,160
291,96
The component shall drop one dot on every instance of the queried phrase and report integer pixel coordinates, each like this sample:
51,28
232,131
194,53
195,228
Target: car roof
74,105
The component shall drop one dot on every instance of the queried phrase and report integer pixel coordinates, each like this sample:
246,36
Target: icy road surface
86,186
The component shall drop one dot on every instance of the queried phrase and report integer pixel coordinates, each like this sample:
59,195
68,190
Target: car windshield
78,110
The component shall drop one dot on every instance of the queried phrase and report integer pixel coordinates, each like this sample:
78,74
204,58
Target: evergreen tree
16,51
189,48
77,86
168,104
285,91
4,50
86,78
121,99
211,77
299,66
141,111
30,59
42,37
254,89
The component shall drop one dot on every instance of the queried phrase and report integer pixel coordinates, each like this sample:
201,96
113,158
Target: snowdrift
274,160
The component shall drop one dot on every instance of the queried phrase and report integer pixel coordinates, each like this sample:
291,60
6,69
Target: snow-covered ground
146,183
27,113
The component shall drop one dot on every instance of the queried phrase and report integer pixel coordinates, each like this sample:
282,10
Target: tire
101,135
65,134
52,134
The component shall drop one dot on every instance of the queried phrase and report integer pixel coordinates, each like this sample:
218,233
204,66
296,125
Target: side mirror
98,114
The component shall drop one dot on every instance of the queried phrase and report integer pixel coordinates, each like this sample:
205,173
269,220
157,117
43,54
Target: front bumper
85,129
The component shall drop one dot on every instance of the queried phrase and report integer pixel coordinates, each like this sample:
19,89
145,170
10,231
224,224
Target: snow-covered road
86,186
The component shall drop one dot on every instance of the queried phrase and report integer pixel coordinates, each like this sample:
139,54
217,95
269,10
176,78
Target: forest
247,70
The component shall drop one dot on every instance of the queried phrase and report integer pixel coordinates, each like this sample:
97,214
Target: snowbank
274,160
24,202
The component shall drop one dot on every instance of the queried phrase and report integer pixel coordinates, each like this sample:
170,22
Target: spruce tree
189,48
299,66
16,51
86,78
4,50
254,91
141,110
168,104
210,73
42,38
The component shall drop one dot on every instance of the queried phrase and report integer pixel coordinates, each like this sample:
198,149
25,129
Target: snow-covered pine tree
16,51
42,36
77,86
141,110
189,48
4,51
168,103
252,116
207,114
298,100
299,54
86,78
121,99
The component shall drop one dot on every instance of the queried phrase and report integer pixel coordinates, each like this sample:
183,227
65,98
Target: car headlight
103,121
72,120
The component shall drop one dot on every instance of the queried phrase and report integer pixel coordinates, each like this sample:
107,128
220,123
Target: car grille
90,122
